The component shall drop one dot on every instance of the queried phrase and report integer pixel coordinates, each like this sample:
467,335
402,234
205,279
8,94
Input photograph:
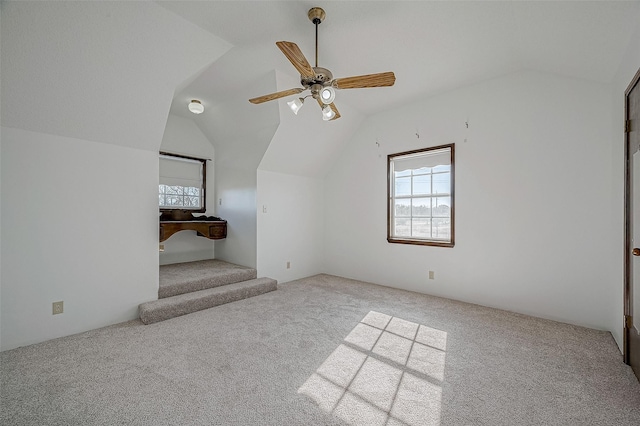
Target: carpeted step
181,278
171,307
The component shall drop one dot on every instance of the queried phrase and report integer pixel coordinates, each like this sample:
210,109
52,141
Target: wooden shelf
212,229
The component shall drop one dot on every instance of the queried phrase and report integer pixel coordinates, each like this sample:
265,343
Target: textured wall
533,199
78,226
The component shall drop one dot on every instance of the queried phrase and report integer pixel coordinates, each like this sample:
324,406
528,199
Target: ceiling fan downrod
316,15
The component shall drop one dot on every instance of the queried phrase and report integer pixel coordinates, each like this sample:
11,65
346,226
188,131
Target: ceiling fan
319,81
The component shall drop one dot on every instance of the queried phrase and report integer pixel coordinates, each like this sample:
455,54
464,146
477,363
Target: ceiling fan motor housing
323,76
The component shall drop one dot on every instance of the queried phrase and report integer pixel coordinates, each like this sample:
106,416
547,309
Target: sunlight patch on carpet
387,371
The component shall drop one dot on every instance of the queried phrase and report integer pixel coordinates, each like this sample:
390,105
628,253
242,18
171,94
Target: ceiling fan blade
295,56
382,79
277,95
333,107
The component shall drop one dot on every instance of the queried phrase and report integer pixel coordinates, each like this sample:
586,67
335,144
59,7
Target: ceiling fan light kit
295,105
327,113
318,80
327,95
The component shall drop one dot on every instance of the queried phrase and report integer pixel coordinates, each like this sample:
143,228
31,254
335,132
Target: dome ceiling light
196,107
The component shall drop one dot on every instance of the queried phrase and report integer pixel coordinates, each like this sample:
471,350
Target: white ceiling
97,71
81,69
431,46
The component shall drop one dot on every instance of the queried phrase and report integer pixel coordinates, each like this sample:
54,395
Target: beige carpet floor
325,351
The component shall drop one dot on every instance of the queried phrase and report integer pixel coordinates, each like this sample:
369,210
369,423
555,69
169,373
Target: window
182,182
420,196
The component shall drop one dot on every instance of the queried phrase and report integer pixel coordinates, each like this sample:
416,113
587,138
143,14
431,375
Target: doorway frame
627,224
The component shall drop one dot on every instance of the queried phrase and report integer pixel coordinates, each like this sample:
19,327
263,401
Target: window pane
403,173
173,201
442,183
402,227
403,186
421,207
442,168
174,197
422,185
441,229
173,190
421,228
442,207
403,208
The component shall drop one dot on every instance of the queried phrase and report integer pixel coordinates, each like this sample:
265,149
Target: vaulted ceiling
98,71
111,71
432,46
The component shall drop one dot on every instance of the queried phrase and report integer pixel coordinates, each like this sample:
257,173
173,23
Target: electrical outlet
288,265
220,201
264,209
58,307
432,275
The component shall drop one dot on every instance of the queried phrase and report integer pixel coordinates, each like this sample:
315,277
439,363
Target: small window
420,197
182,183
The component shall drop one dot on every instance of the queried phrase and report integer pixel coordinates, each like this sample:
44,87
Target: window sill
420,242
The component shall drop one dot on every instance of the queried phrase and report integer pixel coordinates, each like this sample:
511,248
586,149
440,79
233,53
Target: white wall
290,189
290,226
79,225
533,199
242,131
236,195
629,66
183,136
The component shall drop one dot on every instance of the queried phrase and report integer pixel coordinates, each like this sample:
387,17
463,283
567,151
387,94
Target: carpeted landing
193,286
321,351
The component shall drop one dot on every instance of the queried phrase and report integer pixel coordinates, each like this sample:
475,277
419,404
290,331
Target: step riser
197,285
160,310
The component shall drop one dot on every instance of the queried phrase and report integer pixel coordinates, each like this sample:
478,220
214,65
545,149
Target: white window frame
418,156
